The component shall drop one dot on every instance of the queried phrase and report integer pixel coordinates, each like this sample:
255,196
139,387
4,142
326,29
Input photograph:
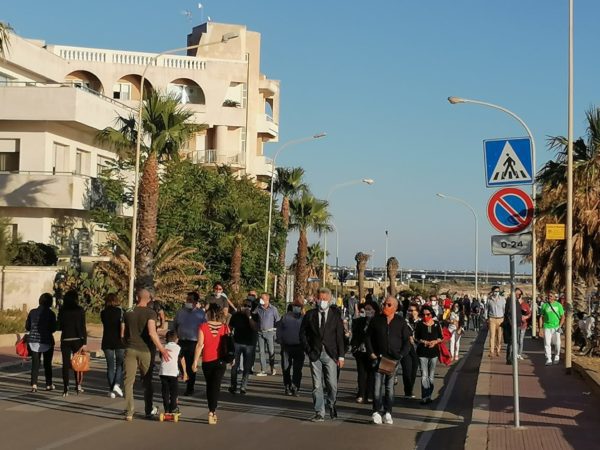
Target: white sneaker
261,374
111,394
556,359
117,390
548,362
273,372
376,418
387,418
520,357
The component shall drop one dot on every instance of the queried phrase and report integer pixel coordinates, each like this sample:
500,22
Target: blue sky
375,76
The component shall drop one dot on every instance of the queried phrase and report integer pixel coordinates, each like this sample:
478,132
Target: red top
525,311
212,343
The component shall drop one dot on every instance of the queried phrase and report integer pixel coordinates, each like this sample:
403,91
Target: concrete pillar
220,142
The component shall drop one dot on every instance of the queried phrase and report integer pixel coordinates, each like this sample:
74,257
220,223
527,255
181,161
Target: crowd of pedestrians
387,338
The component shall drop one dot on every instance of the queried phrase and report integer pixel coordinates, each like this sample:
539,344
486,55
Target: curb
477,436
591,378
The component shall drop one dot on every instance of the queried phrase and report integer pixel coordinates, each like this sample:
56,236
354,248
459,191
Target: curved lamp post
457,100
461,201
224,39
368,181
285,145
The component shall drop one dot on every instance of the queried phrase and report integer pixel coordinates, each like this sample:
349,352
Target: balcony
217,158
266,126
269,88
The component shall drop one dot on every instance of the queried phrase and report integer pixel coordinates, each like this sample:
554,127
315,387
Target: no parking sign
510,210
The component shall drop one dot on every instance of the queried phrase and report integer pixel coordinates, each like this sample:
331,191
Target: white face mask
188,305
362,314
434,302
324,305
261,301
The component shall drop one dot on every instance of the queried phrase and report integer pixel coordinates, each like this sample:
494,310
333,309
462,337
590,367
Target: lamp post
337,252
224,39
368,181
279,150
460,200
457,100
386,261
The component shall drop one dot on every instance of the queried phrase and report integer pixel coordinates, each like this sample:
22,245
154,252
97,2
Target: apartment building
55,98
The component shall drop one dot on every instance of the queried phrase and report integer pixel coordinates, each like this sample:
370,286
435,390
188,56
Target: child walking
168,373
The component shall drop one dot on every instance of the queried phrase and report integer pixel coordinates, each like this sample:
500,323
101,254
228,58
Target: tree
166,129
315,263
552,208
5,30
361,265
289,184
307,213
392,270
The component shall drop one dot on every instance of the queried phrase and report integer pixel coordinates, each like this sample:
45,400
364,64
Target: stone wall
21,286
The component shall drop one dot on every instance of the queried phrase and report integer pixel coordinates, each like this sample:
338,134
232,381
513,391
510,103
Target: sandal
212,419
34,388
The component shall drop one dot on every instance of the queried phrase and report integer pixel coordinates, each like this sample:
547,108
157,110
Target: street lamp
285,145
368,181
457,100
460,200
337,252
224,39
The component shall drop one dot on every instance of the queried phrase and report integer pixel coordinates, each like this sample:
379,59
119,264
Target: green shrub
12,321
35,254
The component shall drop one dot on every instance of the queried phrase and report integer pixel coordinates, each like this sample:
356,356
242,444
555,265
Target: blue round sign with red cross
510,210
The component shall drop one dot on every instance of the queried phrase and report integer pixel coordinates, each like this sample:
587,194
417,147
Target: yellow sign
555,231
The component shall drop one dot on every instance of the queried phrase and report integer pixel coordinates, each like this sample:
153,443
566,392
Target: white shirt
169,368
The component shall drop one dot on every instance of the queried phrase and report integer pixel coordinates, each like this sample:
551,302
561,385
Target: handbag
22,348
387,366
80,361
227,350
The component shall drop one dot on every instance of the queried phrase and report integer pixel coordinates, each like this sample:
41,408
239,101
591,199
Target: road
264,418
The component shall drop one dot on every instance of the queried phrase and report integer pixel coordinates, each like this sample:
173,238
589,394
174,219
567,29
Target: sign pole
514,346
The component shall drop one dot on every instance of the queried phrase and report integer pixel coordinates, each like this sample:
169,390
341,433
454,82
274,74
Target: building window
102,164
243,139
9,155
61,158
82,162
58,237
12,232
122,91
244,95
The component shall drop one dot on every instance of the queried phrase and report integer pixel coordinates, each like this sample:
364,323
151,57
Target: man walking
292,352
387,343
494,312
269,316
187,322
244,325
141,343
551,320
322,335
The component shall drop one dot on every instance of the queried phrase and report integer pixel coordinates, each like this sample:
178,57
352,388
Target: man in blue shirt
269,316
187,322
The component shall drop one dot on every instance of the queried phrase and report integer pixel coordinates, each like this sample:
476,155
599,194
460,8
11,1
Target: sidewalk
558,411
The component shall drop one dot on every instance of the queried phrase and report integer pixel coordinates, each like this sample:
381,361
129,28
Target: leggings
213,373
68,348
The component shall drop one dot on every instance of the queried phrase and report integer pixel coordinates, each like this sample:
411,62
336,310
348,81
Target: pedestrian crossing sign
508,162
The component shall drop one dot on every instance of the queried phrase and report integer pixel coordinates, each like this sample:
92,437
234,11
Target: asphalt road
264,418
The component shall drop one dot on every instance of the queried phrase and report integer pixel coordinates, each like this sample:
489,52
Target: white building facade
55,99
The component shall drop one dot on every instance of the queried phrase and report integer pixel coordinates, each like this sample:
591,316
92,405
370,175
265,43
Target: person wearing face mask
187,323
220,298
410,362
269,316
292,353
494,312
322,336
433,302
455,327
364,368
244,325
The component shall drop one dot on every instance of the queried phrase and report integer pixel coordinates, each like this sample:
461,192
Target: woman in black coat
41,324
71,321
364,367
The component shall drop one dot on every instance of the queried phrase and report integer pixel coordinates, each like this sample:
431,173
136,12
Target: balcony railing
212,156
123,57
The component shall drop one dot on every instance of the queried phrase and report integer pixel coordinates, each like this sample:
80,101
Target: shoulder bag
387,366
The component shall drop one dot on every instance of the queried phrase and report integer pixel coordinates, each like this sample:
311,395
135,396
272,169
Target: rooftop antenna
187,13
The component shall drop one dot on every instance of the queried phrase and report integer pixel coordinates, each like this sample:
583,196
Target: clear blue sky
375,75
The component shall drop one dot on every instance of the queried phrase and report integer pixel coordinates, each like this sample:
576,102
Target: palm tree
288,184
306,214
167,128
392,270
315,263
586,212
240,223
5,30
361,265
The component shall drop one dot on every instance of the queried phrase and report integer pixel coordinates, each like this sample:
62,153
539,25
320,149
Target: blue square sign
508,162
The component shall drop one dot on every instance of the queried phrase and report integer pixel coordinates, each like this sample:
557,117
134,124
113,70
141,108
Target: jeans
35,365
266,339
383,400
409,364
68,349
324,375
114,366
248,357
292,360
142,360
495,334
467,321
476,321
213,373
366,376
521,338
169,387
551,336
427,376
187,351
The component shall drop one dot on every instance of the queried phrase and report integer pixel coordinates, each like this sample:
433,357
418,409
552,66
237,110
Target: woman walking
41,324
410,362
428,334
113,329
71,321
364,367
455,327
211,346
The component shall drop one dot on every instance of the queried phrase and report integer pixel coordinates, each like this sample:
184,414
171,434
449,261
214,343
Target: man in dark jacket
322,336
388,341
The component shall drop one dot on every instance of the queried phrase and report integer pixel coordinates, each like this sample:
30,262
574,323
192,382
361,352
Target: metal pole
386,258
569,267
515,361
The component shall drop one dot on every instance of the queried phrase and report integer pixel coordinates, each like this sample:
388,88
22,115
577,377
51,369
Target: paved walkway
558,411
